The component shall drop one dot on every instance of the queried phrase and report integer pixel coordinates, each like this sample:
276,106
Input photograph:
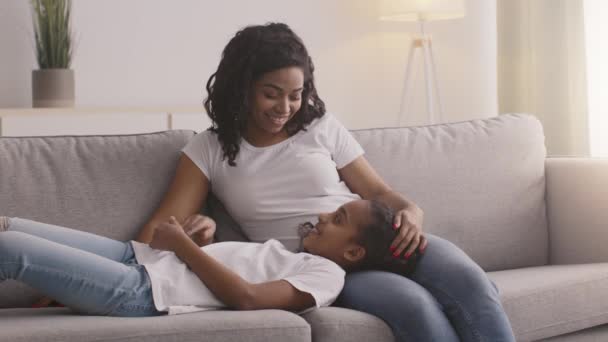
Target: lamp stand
433,100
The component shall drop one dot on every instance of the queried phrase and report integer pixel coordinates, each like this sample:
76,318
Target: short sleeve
322,278
345,148
200,149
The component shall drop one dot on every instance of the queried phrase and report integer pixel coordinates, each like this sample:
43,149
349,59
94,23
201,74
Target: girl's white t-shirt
176,289
274,189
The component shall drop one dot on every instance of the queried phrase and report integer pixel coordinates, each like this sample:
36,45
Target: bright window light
596,30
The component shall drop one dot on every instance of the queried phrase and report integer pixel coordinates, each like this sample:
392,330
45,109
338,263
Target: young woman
96,275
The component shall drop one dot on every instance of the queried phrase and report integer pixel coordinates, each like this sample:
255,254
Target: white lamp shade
421,10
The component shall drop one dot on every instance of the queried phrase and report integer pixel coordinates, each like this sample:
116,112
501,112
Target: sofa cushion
333,324
108,185
481,183
552,300
59,324
596,334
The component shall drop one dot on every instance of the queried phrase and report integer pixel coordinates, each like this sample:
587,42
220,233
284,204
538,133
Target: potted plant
53,83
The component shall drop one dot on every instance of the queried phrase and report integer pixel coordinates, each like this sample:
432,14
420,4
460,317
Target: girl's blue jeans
448,298
88,273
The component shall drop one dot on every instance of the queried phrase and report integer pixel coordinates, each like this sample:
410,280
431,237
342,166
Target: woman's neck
260,138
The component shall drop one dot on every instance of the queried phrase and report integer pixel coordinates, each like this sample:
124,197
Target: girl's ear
354,253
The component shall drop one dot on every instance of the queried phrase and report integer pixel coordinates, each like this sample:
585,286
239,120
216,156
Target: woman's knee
475,280
408,308
383,291
449,267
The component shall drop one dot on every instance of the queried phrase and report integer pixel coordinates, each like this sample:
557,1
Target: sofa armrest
577,209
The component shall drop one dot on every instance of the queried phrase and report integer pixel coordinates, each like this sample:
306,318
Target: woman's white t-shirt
176,289
273,189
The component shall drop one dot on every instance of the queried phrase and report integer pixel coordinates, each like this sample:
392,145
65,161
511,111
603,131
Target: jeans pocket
141,302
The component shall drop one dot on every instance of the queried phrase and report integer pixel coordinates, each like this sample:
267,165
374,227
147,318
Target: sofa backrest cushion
480,183
108,185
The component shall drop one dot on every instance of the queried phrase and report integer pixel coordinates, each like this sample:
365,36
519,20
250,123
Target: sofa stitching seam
567,322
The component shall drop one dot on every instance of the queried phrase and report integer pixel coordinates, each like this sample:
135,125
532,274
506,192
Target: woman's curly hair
252,52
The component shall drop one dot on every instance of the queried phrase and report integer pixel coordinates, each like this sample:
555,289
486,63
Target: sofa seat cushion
60,324
552,300
595,334
333,324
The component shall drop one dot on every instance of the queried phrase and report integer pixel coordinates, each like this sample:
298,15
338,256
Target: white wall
160,53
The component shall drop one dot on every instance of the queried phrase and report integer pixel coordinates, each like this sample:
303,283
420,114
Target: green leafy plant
52,31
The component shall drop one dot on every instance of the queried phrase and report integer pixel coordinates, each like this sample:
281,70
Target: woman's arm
362,179
186,195
226,285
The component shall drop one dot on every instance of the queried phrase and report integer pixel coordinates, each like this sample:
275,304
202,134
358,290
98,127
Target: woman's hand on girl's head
168,235
200,229
409,223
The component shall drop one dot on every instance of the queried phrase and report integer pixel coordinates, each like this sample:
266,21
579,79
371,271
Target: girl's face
276,97
335,236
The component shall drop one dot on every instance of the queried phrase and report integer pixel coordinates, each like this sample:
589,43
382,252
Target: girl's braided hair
376,237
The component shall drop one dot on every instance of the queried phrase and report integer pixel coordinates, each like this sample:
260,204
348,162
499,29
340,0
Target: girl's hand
409,223
200,229
168,235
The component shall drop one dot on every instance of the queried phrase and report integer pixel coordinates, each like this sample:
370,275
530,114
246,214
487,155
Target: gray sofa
537,225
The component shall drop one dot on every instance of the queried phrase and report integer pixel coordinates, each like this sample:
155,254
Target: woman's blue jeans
88,273
448,298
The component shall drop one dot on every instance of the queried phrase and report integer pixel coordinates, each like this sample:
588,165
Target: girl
92,274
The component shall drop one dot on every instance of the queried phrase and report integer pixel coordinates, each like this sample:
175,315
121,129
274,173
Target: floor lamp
422,11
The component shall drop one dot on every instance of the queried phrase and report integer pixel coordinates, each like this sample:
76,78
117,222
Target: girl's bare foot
3,223
46,302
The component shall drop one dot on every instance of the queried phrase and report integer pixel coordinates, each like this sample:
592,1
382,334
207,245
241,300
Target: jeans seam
130,308
403,333
84,279
128,248
466,314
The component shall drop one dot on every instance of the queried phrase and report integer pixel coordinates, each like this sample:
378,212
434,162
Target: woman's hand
168,235
200,229
409,223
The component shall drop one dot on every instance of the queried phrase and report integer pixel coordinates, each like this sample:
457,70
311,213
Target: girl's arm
225,284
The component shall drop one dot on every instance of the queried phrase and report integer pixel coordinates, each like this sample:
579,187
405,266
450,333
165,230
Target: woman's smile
278,120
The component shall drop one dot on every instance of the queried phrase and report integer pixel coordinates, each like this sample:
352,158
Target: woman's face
335,236
277,96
